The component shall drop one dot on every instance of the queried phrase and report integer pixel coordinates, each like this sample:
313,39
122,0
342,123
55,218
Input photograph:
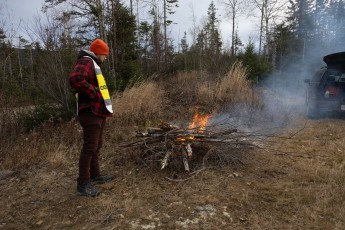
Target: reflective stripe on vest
102,86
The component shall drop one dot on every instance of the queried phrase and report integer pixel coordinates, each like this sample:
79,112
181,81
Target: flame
199,122
185,138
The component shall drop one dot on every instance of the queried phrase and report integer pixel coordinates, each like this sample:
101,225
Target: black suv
326,90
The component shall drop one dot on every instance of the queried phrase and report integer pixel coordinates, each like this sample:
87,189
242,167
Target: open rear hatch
335,59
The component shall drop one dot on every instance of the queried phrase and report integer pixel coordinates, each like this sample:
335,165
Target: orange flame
185,138
199,122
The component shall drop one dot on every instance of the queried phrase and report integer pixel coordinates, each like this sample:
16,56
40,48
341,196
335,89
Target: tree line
290,35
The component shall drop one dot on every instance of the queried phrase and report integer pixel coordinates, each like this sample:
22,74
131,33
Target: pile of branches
166,143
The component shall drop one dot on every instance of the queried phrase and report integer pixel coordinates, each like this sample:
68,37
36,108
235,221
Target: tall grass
181,88
9,111
139,103
233,88
50,144
192,89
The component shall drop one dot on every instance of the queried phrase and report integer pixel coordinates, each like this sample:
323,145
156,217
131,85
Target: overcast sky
21,9
184,19
26,10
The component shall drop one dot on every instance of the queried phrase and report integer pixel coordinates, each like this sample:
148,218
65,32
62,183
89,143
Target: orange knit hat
99,47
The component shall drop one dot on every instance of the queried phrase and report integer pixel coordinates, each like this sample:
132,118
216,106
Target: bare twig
193,174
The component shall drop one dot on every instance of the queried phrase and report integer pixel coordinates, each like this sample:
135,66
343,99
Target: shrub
42,113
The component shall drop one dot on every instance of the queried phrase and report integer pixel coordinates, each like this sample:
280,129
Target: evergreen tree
3,48
214,43
256,65
301,24
182,57
284,52
339,19
184,44
168,9
2,36
237,44
212,40
199,50
124,51
145,31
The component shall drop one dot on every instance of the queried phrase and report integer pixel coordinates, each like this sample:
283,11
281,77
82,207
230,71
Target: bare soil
294,181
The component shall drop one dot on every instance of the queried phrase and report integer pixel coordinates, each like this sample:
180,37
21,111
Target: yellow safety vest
102,86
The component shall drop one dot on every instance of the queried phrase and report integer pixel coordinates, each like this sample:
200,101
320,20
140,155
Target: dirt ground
295,180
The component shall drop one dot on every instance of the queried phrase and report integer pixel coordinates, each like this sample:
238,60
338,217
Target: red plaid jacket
84,81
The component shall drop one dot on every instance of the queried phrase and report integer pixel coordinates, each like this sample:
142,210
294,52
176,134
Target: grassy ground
298,187
293,179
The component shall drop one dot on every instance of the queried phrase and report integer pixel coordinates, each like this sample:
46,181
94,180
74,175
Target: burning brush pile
166,143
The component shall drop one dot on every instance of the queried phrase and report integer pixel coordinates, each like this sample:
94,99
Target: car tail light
331,91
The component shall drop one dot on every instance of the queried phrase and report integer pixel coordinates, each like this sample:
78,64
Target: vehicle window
342,77
333,75
318,75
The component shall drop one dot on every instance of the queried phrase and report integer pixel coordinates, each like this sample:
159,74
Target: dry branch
167,141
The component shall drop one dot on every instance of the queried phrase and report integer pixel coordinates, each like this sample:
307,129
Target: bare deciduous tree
233,8
270,10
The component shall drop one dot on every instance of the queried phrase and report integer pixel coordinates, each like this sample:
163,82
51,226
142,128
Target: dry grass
316,189
233,88
190,88
139,103
9,111
298,184
181,88
50,144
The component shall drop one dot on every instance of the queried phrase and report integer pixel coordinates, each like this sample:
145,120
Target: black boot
87,190
102,179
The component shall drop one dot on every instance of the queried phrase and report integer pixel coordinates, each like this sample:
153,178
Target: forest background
293,38
280,171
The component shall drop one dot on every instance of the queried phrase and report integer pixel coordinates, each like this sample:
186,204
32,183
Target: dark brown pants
92,134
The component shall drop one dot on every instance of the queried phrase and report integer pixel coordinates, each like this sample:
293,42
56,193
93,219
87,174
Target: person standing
93,107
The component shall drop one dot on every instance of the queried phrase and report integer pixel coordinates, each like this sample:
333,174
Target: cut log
185,159
164,162
185,163
189,150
